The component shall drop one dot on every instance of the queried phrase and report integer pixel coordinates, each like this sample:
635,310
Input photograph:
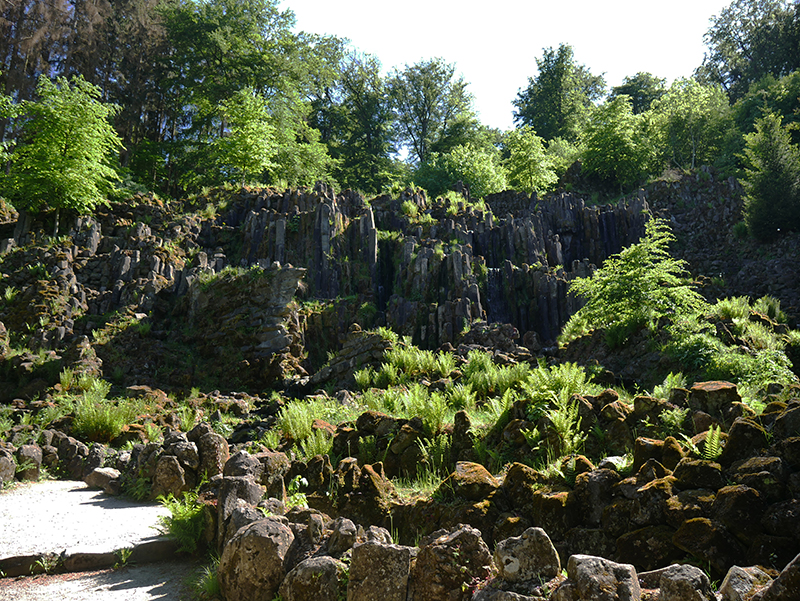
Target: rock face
252,564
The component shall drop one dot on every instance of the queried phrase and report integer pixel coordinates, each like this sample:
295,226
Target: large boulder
592,578
447,564
379,572
252,564
315,579
527,557
740,584
685,583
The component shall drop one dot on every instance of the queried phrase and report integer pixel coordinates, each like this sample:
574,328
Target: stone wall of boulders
671,507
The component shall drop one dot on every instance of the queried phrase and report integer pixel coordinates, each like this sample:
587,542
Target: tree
615,146
690,123
432,108
556,101
750,39
643,88
528,165
247,146
772,180
636,287
771,95
65,157
356,123
477,167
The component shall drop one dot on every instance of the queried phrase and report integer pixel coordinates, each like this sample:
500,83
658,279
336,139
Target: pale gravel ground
53,516
165,581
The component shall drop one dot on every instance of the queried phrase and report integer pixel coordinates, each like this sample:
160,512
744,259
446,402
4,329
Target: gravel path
54,515
69,519
164,581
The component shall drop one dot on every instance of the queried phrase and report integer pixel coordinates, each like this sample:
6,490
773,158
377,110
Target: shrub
637,287
185,522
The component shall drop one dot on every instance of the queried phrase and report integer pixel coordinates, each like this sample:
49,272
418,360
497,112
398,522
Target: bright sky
495,44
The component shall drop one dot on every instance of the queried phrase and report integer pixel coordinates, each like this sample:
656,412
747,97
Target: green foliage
689,123
529,166
564,419
558,381
487,379
185,522
478,167
99,419
319,442
672,381
69,145
295,419
673,421
295,498
206,585
432,108
643,88
712,448
557,100
749,39
637,287
248,145
615,144
772,180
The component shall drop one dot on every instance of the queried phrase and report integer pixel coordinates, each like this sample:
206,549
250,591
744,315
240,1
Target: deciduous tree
615,145
68,149
528,165
432,108
557,99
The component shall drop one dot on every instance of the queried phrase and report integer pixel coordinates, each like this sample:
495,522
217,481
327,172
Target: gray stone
101,476
740,584
447,565
685,583
8,466
527,557
315,579
214,453
343,536
252,563
169,477
785,586
600,579
29,460
379,572
232,490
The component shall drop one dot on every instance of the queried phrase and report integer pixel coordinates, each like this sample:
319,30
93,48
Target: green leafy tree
615,147
556,101
432,109
355,121
636,287
748,40
772,180
771,95
643,88
690,123
68,148
247,146
528,165
477,167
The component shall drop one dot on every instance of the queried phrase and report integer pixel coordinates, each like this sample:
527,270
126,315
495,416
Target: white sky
494,44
